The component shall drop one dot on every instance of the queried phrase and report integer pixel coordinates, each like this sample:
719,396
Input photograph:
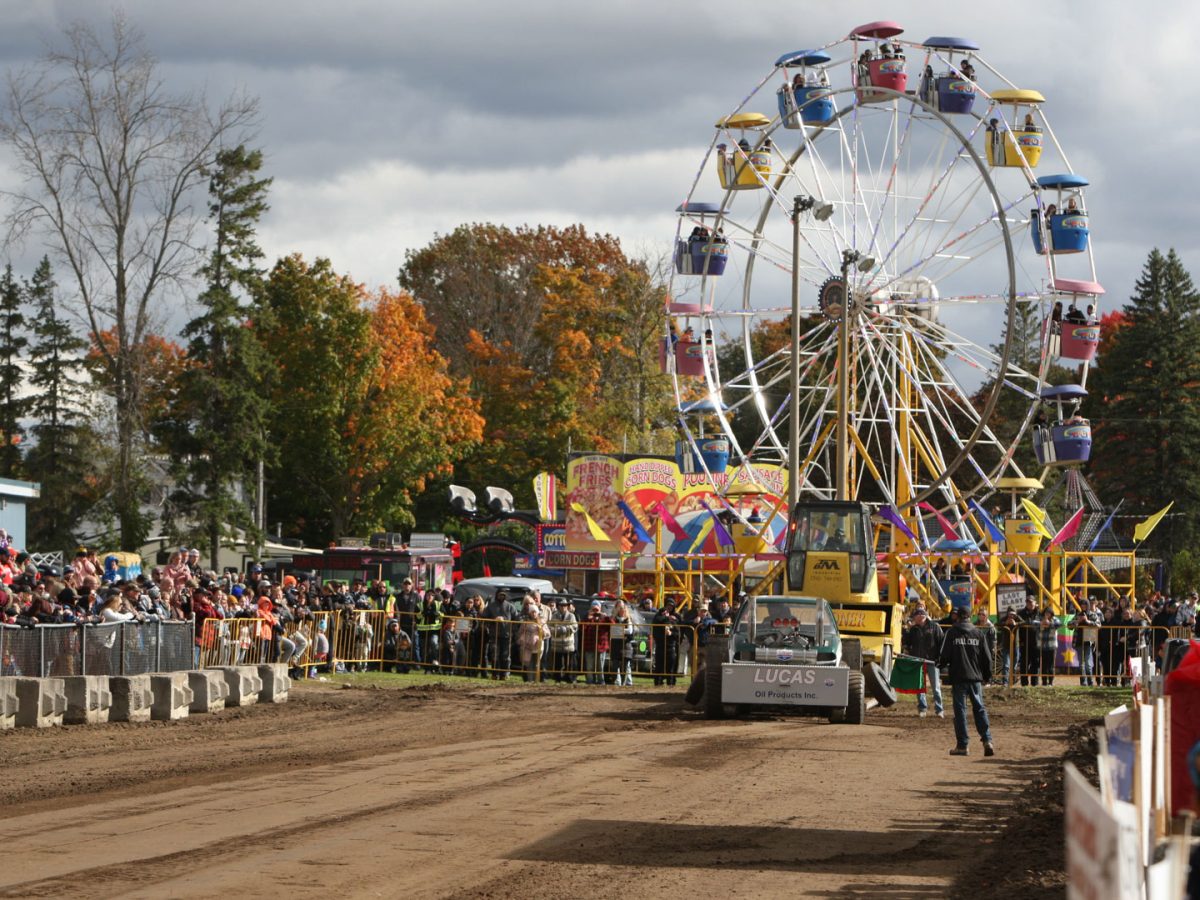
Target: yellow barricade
357,637
233,642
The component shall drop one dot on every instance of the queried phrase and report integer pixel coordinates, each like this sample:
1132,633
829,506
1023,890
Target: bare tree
111,161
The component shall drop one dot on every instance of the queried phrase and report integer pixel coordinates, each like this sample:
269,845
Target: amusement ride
865,235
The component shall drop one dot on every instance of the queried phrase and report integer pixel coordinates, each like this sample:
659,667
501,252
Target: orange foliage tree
557,331
366,410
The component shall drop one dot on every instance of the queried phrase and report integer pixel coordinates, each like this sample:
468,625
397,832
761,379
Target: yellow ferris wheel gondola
744,166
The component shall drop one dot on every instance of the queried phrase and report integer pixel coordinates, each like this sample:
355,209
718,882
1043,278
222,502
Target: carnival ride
895,218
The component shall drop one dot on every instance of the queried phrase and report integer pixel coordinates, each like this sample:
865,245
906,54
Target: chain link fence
118,648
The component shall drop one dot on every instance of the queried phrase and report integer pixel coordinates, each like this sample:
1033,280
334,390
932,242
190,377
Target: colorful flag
724,538
638,529
544,491
1107,524
703,533
993,529
893,515
670,523
1037,516
594,528
947,526
1069,530
1143,529
908,675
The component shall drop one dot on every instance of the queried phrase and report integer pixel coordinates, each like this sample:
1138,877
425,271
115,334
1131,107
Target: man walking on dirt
965,651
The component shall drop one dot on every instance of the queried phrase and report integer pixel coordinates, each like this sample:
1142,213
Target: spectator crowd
566,639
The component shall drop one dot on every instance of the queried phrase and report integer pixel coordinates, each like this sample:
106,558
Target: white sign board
785,685
1103,858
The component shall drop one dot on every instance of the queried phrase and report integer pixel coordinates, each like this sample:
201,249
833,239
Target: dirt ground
512,791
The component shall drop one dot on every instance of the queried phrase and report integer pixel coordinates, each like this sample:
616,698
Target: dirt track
512,792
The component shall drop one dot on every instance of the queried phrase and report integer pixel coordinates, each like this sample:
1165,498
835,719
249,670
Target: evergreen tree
63,453
12,405
1143,406
218,437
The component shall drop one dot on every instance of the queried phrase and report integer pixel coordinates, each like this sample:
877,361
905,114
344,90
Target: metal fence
118,648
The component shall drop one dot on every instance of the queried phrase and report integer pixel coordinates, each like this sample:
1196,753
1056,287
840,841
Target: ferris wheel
852,269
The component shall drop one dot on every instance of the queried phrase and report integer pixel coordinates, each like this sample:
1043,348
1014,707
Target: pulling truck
826,644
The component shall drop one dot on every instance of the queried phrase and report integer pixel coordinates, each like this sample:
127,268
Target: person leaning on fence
1028,652
499,616
621,644
533,631
397,648
665,634
202,611
1084,632
964,651
595,642
429,627
923,640
1047,634
563,627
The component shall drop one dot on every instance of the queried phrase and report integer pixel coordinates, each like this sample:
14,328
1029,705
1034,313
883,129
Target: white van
514,585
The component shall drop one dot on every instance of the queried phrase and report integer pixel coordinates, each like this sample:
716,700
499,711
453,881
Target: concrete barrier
8,702
244,685
41,702
172,696
131,698
209,690
275,682
89,699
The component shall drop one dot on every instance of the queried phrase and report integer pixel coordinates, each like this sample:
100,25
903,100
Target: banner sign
571,559
785,685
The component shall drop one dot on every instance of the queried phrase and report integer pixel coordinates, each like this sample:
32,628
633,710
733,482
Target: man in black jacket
408,604
965,651
923,639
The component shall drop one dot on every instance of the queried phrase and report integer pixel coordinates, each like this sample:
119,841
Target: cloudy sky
387,121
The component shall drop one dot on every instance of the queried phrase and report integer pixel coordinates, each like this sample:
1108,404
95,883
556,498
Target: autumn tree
558,334
217,432
364,409
1143,407
110,160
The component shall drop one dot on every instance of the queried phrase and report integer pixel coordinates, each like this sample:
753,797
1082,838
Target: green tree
13,404
217,431
1143,403
62,458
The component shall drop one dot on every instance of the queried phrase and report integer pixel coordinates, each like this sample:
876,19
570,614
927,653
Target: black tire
878,686
716,656
695,691
856,704
837,715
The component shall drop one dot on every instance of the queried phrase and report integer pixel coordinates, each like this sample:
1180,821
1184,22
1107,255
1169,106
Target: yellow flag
544,491
1038,517
1143,529
596,531
704,530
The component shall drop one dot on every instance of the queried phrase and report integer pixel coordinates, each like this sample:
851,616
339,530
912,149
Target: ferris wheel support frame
851,256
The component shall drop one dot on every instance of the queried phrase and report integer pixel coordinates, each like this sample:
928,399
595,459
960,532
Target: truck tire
695,691
716,655
856,704
877,685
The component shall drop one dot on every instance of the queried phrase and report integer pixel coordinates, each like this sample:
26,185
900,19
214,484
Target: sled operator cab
831,555
831,552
